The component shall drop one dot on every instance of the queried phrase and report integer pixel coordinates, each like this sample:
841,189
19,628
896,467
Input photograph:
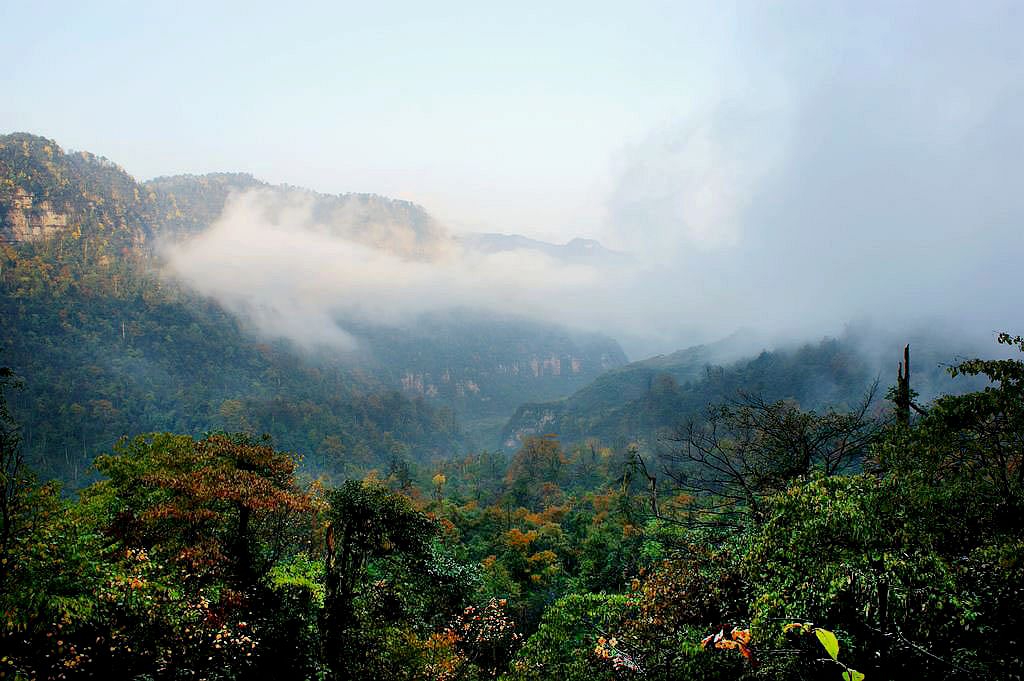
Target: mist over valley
456,342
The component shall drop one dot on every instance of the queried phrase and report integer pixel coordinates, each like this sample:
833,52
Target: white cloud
269,258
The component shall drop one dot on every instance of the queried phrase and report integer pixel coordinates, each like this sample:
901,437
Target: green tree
539,462
15,480
367,525
563,646
916,566
750,449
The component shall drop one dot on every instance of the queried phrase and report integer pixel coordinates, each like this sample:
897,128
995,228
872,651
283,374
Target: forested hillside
689,516
772,543
652,398
648,341
110,346
482,364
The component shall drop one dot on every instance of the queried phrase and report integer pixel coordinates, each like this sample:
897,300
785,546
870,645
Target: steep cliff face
24,220
530,420
46,193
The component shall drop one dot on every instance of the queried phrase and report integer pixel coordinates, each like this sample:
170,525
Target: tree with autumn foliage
209,520
220,508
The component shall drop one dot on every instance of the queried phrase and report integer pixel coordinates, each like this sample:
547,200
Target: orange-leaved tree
225,506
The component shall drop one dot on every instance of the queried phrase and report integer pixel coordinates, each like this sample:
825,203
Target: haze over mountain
525,341
790,171
648,401
108,336
390,297
296,265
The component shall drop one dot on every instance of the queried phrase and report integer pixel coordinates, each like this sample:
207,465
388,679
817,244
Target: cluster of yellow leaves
518,540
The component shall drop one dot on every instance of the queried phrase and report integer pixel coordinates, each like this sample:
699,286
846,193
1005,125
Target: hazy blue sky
497,115
788,165
511,116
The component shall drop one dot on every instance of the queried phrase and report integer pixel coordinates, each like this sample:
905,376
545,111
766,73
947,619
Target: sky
789,165
495,116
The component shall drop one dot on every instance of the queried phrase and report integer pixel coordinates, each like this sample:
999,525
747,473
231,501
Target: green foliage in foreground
207,558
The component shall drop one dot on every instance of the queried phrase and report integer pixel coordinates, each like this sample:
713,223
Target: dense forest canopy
554,341
182,496
261,511
293,513
768,542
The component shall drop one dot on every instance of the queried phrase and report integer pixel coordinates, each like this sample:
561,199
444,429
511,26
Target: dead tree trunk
902,398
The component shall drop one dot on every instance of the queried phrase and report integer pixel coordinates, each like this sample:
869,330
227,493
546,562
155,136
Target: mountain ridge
650,398
110,345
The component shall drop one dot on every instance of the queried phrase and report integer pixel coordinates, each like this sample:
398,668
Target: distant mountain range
649,399
576,250
109,346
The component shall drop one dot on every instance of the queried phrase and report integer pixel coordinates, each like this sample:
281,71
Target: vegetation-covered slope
649,398
483,364
111,347
209,557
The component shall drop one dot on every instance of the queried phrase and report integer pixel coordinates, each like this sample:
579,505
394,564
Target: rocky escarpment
25,220
46,192
484,365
